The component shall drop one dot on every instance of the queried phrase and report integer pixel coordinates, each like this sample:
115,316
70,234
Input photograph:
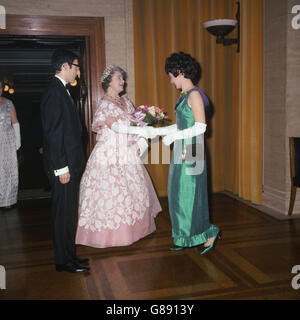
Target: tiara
108,70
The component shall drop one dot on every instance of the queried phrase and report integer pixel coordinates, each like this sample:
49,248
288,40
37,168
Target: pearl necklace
117,100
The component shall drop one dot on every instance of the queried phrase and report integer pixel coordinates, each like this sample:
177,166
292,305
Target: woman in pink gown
117,203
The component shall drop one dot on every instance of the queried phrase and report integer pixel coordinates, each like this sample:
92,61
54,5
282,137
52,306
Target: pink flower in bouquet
140,115
149,115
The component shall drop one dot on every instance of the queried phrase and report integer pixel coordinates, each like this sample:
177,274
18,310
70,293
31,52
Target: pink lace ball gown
117,203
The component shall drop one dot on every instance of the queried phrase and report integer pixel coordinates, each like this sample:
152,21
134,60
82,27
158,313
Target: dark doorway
59,29
25,65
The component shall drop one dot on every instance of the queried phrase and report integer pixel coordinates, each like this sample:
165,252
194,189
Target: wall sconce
222,27
6,87
11,91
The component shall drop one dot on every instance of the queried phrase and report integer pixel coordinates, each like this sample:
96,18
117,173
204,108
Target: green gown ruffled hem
196,240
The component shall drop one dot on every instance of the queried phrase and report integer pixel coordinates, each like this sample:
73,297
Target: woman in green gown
187,182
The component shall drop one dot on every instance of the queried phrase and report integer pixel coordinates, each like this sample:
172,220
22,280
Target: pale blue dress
8,158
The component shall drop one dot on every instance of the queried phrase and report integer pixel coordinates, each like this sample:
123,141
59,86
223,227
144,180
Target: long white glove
146,132
143,146
16,127
165,130
197,129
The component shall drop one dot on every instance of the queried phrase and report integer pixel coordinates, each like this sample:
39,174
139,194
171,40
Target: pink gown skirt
117,203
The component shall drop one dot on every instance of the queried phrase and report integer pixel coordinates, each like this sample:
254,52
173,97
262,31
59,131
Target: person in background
10,142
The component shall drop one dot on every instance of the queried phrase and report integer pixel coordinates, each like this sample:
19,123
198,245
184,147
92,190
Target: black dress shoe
71,267
81,260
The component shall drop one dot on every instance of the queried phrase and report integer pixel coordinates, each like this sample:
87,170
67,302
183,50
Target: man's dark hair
61,56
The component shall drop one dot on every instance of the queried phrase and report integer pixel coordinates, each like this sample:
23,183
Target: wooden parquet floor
253,260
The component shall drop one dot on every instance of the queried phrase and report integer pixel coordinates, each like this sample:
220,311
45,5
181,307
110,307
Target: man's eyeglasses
76,65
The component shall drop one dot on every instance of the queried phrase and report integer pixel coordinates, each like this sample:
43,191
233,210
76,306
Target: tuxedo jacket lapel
69,102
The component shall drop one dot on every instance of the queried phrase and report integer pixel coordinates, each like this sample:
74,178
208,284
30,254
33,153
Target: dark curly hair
105,83
60,56
183,63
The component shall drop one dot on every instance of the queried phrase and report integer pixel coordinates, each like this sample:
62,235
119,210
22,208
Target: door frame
92,28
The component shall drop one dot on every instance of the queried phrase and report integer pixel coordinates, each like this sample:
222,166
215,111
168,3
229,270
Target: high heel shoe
177,248
206,249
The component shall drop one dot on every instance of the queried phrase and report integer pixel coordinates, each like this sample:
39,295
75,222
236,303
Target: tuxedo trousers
65,198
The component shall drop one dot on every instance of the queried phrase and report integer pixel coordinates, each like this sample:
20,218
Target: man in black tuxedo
63,159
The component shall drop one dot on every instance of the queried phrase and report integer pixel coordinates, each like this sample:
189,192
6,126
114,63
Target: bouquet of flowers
150,115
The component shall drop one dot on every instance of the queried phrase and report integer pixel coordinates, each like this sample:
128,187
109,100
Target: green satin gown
187,185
